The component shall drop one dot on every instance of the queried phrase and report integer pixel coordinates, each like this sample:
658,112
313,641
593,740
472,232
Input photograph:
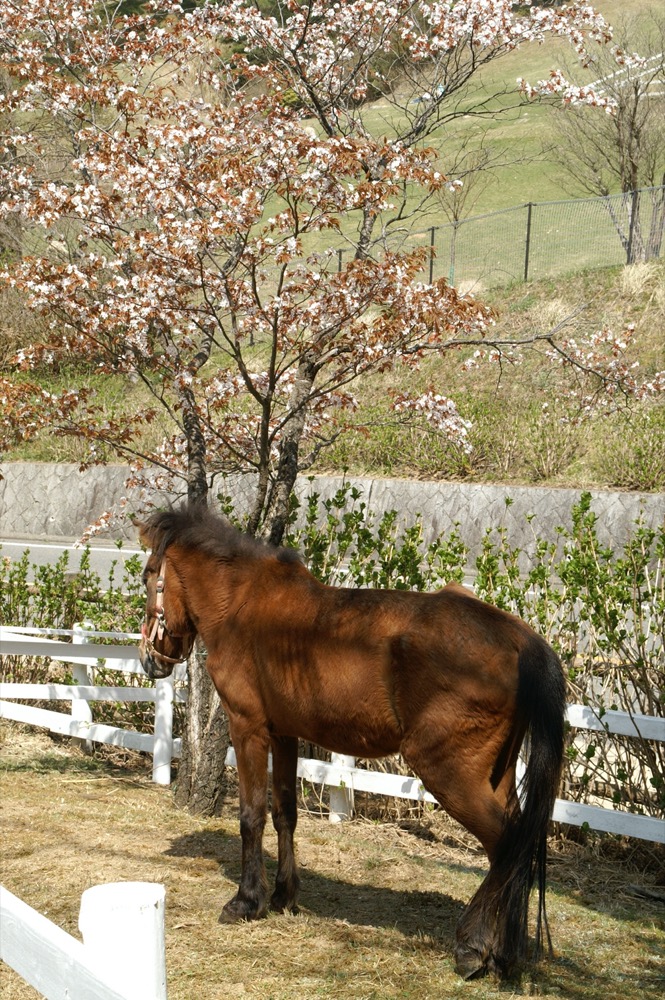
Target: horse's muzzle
154,667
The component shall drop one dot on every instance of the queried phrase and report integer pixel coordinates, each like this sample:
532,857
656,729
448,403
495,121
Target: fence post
163,748
122,924
341,799
82,674
527,249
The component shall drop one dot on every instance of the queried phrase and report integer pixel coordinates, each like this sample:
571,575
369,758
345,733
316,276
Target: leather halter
159,625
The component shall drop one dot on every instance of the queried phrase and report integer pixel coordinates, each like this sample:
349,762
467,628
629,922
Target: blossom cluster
612,377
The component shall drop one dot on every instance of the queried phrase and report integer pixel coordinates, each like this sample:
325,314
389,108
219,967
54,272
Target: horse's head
167,635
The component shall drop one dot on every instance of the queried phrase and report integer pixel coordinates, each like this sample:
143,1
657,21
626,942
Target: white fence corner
122,956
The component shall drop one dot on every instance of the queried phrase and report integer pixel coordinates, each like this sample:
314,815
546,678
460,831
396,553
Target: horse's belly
360,724
352,740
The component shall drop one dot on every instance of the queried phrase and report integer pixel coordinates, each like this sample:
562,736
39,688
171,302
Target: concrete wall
44,501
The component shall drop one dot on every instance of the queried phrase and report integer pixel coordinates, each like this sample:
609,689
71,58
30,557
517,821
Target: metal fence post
527,249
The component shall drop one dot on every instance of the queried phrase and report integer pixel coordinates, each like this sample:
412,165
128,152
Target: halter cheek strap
159,626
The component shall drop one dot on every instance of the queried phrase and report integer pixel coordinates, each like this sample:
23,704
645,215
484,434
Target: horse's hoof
469,964
278,905
284,898
237,910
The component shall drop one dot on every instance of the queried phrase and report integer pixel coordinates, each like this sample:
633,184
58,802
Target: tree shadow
86,765
51,763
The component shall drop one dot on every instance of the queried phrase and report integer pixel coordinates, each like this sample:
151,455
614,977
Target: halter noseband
159,625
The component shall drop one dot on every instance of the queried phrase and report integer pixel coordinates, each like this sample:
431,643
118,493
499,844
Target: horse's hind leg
285,817
249,903
462,784
481,944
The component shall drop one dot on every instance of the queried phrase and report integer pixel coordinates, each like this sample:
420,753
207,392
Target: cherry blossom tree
179,182
182,179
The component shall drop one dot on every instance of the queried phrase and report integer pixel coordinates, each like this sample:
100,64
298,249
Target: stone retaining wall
41,501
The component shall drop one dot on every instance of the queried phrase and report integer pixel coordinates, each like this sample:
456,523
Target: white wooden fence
122,955
340,775
79,724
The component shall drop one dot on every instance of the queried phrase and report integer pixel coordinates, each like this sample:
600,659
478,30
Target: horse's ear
145,533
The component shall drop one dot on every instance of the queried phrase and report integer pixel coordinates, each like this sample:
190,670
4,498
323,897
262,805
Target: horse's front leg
285,817
249,903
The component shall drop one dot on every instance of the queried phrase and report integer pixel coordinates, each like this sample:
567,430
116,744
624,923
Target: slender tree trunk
197,479
201,783
287,468
657,227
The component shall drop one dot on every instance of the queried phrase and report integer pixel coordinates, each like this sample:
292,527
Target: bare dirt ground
379,899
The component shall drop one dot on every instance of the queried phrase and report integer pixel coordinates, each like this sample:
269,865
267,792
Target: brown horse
454,684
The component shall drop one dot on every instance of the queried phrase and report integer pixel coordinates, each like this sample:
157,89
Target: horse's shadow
428,916
413,912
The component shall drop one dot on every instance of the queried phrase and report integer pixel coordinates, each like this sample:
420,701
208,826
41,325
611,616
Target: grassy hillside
524,428
523,136
519,137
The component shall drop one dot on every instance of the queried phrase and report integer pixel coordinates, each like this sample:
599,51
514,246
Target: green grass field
526,134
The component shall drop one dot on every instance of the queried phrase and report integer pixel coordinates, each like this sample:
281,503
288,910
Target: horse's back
461,651
380,662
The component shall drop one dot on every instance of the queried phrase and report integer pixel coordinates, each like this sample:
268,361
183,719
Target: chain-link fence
552,238
545,240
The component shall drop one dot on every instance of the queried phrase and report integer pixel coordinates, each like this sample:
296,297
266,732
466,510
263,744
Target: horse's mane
195,526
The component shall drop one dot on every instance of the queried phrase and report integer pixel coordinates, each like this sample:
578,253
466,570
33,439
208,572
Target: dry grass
379,900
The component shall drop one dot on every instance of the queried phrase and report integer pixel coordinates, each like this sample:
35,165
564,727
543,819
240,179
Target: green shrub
54,596
633,451
350,546
604,612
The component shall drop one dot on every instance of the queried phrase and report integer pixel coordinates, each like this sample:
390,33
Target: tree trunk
287,468
201,782
197,480
657,227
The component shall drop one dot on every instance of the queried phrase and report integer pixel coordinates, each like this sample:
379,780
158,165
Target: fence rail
340,775
84,656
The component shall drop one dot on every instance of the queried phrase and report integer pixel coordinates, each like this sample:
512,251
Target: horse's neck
211,592
216,590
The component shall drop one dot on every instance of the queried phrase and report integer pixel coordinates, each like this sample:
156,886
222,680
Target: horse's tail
520,859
